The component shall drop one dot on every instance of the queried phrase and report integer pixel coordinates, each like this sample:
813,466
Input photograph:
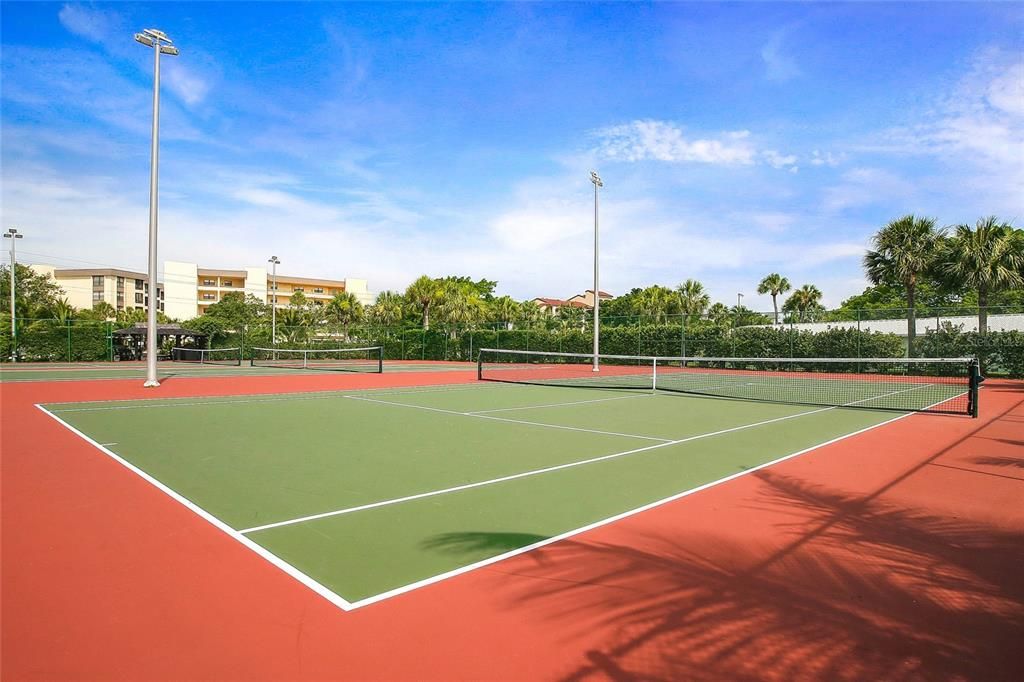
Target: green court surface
113,370
371,493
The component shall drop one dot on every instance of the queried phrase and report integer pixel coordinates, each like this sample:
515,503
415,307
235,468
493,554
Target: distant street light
596,179
274,261
13,235
161,44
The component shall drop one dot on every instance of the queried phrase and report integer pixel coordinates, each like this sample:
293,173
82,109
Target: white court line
505,419
268,397
575,402
254,398
309,582
525,474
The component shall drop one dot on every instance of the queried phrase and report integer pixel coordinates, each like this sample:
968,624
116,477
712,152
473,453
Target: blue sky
387,141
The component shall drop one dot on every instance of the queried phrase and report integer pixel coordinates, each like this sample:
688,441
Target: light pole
596,179
739,301
274,262
13,235
161,44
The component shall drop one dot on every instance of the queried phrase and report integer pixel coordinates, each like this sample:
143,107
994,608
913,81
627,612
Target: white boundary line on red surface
347,605
309,582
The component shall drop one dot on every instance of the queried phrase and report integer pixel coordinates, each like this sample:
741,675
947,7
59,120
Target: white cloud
778,66
185,83
662,141
780,161
92,24
866,186
819,158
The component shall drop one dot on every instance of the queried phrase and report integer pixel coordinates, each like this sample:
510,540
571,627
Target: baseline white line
255,398
524,474
505,419
574,402
309,582
359,603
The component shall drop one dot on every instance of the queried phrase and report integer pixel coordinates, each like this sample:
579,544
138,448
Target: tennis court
364,495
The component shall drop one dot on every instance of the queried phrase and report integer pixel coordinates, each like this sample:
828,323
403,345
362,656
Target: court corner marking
261,551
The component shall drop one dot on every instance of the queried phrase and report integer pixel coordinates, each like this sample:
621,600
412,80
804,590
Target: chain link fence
947,332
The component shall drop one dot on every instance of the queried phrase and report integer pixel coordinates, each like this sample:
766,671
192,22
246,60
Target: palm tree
388,308
530,312
693,300
344,308
904,250
656,302
719,313
62,311
803,299
774,284
459,304
988,258
572,317
505,309
104,310
422,294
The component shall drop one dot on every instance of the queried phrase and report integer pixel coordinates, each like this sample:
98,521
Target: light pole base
596,369
151,383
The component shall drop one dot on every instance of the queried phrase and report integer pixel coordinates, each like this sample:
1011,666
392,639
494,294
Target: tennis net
370,359
947,385
208,356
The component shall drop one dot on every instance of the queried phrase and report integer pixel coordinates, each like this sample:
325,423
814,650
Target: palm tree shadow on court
851,587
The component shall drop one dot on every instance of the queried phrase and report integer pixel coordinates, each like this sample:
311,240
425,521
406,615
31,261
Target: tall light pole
596,179
13,235
274,262
161,44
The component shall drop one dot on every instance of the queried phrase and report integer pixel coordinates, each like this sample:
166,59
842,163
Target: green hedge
1000,353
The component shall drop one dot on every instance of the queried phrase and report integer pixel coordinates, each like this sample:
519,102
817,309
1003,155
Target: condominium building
122,289
192,289
584,300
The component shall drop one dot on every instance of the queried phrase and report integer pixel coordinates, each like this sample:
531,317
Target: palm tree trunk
775,305
426,317
911,319
982,310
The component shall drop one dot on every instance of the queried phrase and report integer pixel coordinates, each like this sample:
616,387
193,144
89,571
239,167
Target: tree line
912,265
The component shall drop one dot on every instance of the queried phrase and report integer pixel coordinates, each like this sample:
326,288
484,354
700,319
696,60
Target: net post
480,365
975,382
380,359
654,375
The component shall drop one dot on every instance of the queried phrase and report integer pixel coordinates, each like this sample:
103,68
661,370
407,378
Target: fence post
68,323
858,333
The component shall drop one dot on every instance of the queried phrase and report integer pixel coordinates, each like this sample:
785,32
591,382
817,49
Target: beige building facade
192,289
85,287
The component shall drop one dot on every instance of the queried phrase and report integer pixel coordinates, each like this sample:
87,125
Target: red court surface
895,554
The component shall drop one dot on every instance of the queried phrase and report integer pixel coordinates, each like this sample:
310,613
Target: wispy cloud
663,141
92,24
778,66
867,186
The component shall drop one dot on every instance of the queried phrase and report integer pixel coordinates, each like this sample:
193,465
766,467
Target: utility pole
274,261
596,179
13,235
